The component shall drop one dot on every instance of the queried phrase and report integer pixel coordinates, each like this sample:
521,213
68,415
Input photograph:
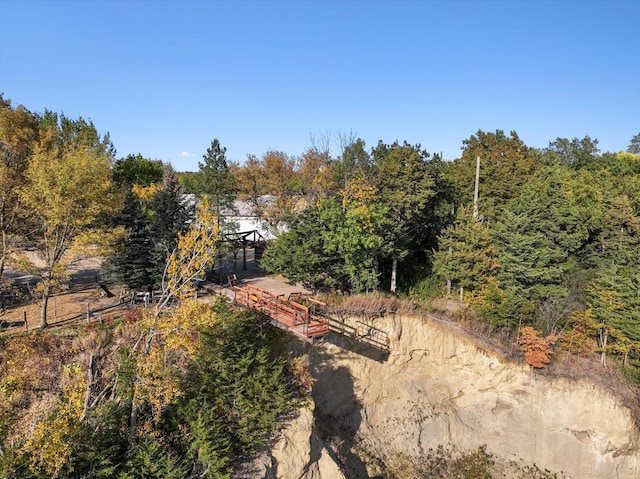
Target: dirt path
73,306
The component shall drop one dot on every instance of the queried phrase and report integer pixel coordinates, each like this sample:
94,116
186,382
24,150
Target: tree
334,244
577,153
316,175
18,136
282,187
356,233
580,338
634,145
299,254
406,189
537,350
216,179
195,252
466,256
131,261
612,293
51,443
137,170
502,308
69,192
540,237
153,217
170,216
353,162
506,164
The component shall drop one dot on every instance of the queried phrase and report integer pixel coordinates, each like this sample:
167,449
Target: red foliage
133,316
537,350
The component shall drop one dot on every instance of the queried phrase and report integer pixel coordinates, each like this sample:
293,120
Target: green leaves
333,244
232,384
466,256
506,164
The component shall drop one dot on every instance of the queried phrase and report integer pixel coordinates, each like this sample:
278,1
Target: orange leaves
580,338
537,350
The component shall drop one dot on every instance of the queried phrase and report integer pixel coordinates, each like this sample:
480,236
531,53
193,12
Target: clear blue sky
167,77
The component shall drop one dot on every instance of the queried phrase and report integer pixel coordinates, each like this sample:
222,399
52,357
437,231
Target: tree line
551,242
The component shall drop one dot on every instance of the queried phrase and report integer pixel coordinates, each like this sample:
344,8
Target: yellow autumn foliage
176,340
195,252
49,445
145,193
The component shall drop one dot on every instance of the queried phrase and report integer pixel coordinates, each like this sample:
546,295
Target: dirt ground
84,297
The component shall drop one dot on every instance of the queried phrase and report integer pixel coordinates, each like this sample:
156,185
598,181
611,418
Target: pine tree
216,180
131,262
540,238
467,257
171,214
507,164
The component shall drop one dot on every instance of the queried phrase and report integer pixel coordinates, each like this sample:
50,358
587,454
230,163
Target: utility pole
475,191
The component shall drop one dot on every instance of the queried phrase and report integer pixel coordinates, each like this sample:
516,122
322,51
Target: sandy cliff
437,386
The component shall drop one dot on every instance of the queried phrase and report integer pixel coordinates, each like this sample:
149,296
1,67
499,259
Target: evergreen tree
132,261
299,254
577,153
467,257
613,257
216,180
634,145
171,213
506,165
540,237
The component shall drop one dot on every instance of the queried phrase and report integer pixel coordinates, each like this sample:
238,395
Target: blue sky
165,78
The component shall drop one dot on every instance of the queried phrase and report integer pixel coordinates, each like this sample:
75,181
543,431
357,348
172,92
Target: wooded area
548,257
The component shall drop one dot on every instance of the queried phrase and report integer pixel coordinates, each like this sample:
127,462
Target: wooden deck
290,315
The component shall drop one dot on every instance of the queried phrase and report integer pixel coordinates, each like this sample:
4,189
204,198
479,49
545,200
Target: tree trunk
604,339
3,256
43,311
394,272
133,422
87,394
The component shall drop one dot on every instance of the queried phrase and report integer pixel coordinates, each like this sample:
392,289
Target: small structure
300,319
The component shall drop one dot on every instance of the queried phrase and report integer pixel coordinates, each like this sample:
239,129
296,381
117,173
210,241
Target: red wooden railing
286,313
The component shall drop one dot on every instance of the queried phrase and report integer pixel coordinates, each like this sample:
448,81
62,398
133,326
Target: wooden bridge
303,320
308,319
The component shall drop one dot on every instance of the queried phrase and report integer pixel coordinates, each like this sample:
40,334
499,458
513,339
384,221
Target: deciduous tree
69,192
137,170
537,350
18,137
406,189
